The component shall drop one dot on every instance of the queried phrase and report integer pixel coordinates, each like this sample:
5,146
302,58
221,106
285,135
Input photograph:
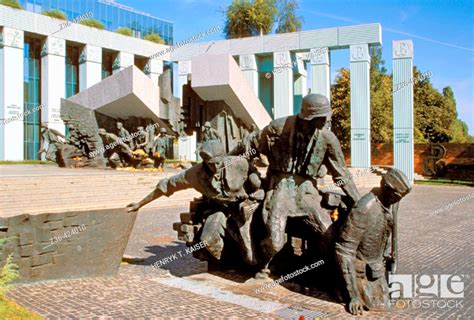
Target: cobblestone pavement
430,243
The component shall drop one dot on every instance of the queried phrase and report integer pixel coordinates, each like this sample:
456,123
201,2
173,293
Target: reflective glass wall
72,70
111,15
32,97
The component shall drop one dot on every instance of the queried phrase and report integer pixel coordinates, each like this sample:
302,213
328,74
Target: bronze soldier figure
56,141
296,147
233,193
124,135
142,140
159,148
362,247
118,153
210,133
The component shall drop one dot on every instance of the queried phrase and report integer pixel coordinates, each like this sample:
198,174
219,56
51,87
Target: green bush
92,23
125,31
11,3
8,275
53,13
154,37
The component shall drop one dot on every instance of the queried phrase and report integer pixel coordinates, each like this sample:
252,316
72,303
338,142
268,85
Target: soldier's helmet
207,124
315,105
397,181
212,151
163,130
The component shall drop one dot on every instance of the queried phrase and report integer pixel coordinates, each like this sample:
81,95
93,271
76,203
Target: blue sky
442,33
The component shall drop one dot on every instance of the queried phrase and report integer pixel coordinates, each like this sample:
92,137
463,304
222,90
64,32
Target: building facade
111,14
39,66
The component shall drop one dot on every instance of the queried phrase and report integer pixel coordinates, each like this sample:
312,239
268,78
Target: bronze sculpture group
143,149
249,218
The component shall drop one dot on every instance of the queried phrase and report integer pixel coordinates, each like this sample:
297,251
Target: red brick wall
456,153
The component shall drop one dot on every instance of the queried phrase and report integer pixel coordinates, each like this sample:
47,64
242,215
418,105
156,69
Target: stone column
90,66
184,68
320,72
153,69
11,94
360,105
248,65
282,84
403,144
53,84
300,85
122,61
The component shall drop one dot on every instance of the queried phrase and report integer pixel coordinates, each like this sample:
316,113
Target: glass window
72,71
32,97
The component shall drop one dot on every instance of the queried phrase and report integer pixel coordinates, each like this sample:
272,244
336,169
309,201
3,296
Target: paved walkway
430,243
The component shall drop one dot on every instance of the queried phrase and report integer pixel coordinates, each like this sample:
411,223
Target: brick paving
186,289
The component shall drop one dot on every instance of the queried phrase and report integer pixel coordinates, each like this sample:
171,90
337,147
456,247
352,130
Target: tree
92,23
124,31
341,107
53,13
381,115
154,37
286,17
380,103
436,118
245,18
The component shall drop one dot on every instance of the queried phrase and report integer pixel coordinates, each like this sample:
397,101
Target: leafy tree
264,12
246,18
341,107
287,19
124,31
380,99
154,37
380,103
53,13
11,3
435,115
94,23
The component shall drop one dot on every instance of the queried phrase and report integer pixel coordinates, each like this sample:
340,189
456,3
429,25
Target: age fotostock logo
427,291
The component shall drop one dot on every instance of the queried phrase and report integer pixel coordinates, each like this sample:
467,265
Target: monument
246,219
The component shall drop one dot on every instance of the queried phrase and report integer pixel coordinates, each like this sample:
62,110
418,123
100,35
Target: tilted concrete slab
218,77
125,94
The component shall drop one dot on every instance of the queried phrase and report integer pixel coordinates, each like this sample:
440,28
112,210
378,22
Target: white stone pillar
187,147
282,84
53,82
184,68
403,143
154,68
320,72
300,86
122,61
248,65
90,66
360,105
11,95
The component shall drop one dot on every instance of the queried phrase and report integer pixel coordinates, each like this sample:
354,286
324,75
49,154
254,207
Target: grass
124,31
27,162
154,37
11,3
446,182
11,310
53,13
92,23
